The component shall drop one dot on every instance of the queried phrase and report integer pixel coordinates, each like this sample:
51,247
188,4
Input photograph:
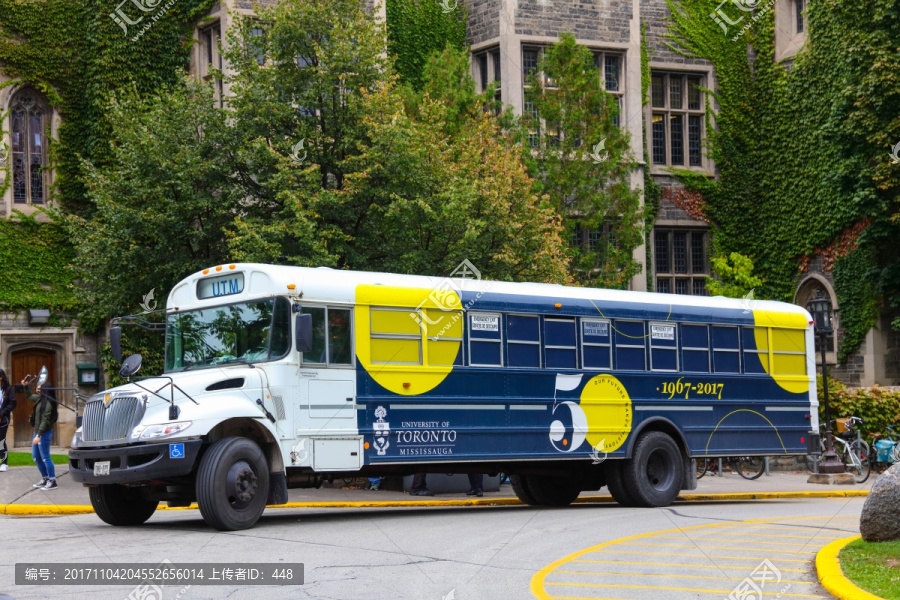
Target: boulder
880,520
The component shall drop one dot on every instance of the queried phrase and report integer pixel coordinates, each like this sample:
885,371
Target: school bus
280,377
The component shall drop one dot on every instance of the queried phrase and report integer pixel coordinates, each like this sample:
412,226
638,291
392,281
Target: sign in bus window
596,344
695,348
523,341
630,338
485,340
223,285
663,347
560,346
726,350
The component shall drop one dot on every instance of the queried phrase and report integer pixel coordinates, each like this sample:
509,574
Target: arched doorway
22,363
812,286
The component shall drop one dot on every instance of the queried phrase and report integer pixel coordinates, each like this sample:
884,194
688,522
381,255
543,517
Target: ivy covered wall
78,56
803,149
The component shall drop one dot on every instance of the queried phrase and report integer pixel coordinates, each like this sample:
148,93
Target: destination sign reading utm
223,285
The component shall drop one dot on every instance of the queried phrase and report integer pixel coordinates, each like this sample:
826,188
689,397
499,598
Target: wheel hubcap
660,470
241,484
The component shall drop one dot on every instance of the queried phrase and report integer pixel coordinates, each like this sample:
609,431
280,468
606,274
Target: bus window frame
539,343
674,348
563,319
713,349
584,344
642,346
468,335
397,336
328,364
707,349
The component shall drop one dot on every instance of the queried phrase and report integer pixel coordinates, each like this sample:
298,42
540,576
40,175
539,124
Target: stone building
507,38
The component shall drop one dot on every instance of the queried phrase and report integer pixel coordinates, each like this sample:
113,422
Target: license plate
101,467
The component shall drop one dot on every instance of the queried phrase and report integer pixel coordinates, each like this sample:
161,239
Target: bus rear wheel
121,506
520,487
232,484
553,491
653,474
615,481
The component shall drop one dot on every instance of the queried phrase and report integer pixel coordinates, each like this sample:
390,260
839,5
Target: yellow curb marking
78,509
716,539
828,568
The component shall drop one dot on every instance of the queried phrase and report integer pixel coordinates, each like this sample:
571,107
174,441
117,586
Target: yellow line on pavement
699,547
701,555
623,562
717,539
678,589
775,535
833,579
677,576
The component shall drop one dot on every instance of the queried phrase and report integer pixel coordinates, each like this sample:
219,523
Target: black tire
232,484
654,473
552,491
615,481
520,487
751,467
121,506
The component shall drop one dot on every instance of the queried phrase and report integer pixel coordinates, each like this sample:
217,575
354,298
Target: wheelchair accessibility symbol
176,450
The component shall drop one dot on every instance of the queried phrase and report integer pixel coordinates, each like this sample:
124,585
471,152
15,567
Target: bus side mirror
115,342
304,333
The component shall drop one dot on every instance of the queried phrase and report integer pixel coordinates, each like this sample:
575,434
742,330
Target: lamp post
820,309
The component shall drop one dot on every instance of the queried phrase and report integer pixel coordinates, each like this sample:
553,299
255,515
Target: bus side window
339,336
396,336
726,349
523,341
630,345
695,348
663,347
755,341
788,352
596,344
560,347
485,340
317,354
443,336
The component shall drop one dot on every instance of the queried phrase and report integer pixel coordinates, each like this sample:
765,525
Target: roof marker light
232,267
205,271
219,268
292,286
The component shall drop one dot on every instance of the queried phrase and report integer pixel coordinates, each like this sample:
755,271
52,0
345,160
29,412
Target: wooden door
27,362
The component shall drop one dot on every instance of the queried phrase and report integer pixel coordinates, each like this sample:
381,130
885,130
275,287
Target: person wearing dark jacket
42,418
7,405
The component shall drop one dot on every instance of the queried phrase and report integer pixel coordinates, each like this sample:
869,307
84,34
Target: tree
162,205
385,181
418,29
734,276
580,158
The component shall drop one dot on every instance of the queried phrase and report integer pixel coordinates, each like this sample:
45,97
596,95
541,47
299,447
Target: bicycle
852,450
887,450
748,467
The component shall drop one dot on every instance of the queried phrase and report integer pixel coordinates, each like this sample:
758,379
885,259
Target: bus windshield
246,332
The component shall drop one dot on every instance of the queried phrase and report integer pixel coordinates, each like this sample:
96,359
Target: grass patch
873,566
23,459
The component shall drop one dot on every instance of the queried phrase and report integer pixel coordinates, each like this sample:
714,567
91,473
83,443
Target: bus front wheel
520,487
652,476
232,484
553,491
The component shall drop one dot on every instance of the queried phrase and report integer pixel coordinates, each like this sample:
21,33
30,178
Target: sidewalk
15,488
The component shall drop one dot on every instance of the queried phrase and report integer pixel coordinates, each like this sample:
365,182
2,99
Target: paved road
491,553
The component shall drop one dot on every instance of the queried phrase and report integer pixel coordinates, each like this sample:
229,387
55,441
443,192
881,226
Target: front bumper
130,464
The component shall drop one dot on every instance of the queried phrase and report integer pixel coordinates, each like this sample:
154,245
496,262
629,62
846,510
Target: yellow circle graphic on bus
607,406
408,339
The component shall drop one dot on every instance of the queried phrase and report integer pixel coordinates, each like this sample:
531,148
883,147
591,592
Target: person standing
476,485
7,405
42,417
418,487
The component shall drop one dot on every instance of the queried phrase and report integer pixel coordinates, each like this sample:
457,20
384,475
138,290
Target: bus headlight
160,431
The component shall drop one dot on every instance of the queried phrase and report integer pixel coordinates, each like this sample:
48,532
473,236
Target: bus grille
108,423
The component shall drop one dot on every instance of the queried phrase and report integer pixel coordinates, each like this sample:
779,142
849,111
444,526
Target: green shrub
878,406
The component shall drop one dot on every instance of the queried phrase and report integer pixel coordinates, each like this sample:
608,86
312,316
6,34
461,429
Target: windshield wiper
238,360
